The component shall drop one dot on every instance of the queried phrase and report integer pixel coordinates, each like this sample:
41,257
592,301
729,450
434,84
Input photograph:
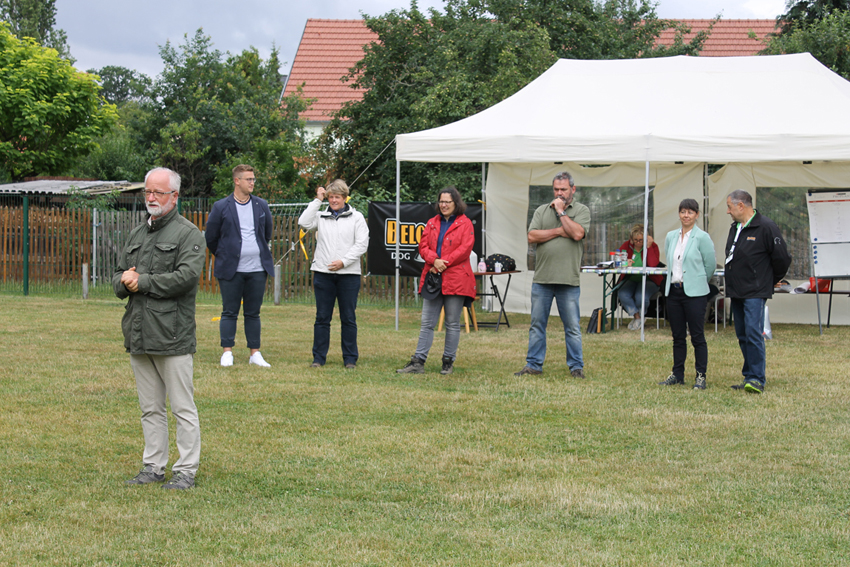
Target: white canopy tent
783,119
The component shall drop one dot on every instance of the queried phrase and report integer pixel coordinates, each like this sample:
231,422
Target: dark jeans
687,313
749,327
330,288
245,289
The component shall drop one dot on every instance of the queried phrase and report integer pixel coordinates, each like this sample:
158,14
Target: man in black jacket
756,259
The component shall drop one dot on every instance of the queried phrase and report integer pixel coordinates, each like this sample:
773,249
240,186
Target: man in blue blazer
238,232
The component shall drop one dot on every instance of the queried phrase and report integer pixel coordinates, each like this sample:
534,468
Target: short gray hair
741,196
564,175
173,178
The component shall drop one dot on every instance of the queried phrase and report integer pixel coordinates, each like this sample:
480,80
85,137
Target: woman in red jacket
630,292
445,246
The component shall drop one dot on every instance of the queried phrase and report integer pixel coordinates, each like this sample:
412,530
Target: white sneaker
634,325
258,359
227,358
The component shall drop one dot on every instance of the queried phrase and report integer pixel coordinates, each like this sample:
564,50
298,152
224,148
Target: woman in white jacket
342,238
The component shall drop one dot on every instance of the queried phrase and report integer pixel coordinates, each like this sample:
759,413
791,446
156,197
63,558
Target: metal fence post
85,281
277,284
26,237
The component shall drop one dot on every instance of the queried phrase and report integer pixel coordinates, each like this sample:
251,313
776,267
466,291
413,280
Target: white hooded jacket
345,237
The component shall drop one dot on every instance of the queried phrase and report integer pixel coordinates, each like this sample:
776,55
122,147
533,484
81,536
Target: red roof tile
728,37
329,48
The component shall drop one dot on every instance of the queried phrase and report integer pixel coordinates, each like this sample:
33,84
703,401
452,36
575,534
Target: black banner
384,230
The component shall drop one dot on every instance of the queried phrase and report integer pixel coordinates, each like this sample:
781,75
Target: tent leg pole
397,240
643,257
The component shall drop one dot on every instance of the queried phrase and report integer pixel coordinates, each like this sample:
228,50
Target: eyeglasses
157,194
249,179
446,202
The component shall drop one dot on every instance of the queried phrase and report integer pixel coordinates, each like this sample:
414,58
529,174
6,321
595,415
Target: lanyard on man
737,234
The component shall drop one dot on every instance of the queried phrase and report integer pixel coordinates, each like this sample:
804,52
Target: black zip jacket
760,259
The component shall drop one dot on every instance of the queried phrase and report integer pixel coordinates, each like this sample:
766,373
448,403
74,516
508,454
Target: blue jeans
629,294
749,326
343,289
245,289
567,297
431,315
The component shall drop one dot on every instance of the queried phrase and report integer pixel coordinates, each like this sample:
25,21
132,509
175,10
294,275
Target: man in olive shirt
558,229
158,274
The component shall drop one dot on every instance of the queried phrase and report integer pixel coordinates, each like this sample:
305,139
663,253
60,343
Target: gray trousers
157,377
431,315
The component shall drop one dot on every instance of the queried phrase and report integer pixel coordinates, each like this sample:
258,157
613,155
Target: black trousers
687,313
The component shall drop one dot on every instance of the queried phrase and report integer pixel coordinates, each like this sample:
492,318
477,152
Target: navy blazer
224,236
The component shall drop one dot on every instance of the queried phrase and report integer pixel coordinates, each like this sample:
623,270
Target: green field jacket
169,255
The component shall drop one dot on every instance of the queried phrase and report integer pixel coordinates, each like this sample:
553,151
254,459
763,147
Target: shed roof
329,48
62,186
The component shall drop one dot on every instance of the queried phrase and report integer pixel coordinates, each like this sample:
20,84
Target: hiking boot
447,365
146,476
180,481
528,370
415,366
577,373
753,387
672,380
699,383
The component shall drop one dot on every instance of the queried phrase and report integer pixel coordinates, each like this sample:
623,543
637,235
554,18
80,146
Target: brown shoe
577,373
528,370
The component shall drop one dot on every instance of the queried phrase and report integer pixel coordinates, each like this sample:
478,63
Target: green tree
206,107
50,114
429,70
36,19
121,85
808,12
827,39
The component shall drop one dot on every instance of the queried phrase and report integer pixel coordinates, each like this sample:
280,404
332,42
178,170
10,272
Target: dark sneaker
146,476
528,370
753,387
350,365
672,381
415,366
740,386
699,383
180,481
577,373
316,365
448,367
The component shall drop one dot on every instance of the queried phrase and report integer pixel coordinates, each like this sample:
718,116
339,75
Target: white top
249,258
676,263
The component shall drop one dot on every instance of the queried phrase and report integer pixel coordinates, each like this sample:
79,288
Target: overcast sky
129,33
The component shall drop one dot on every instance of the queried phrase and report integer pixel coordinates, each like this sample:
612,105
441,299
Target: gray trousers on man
156,377
431,315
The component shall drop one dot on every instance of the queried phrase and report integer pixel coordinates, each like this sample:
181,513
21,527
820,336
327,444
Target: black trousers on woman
687,313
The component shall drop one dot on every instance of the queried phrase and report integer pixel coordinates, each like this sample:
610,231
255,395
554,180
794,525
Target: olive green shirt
558,261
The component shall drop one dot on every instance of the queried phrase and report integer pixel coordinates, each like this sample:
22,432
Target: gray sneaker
699,383
672,381
448,365
146,476
415,366
180,481
577,372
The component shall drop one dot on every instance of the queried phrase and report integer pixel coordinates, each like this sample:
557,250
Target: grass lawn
325,466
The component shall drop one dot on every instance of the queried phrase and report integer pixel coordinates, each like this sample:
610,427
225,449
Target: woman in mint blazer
690,264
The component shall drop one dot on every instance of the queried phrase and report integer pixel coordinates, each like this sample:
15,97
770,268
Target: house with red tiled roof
329,48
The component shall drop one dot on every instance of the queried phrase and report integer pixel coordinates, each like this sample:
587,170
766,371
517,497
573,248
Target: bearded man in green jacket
158,272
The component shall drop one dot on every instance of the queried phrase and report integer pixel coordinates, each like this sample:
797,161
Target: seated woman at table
630,293
445,246
691,262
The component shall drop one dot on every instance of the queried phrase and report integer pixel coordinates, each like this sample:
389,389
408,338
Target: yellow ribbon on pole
301,236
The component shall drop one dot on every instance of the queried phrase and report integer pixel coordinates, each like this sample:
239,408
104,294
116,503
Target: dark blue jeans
330,288
245,289
749,326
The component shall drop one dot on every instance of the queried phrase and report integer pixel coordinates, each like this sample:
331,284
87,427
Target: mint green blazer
698,261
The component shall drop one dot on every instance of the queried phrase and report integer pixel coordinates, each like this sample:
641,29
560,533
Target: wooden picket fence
62,240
